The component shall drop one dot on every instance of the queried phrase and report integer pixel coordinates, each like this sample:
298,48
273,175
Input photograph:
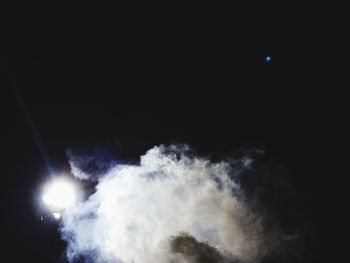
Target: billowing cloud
90,165
171,207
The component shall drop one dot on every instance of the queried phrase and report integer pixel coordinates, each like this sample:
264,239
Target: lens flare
59,194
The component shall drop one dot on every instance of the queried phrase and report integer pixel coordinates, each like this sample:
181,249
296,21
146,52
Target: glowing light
56,215
59,194
268,59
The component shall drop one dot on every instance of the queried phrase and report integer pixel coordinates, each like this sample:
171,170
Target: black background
127,84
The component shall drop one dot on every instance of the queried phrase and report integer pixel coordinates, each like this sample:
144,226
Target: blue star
268,59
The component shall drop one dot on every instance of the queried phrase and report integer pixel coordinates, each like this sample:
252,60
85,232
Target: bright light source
59,194
56,215
268,59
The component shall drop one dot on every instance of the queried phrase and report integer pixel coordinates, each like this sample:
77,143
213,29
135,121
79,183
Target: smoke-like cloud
172,207
91,164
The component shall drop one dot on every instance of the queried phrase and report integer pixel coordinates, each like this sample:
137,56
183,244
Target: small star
268,59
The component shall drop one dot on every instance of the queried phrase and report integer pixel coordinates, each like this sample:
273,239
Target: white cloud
137,209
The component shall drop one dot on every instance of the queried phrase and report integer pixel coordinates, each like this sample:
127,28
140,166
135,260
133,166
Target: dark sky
128,86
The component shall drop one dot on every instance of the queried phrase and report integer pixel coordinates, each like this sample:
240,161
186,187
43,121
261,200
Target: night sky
125,88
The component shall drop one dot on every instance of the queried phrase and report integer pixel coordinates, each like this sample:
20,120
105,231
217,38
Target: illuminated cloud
157,210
